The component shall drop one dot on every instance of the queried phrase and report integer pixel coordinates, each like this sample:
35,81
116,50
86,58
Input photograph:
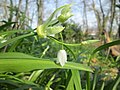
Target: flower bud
62,57
65,14
41,31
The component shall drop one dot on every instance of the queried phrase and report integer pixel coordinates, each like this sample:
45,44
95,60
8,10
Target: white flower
62,57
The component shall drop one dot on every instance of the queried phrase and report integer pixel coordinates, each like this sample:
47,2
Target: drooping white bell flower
62,57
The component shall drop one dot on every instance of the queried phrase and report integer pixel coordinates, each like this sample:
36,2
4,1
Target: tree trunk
119,31
16,25
40,11
97,15
101,17
85,18
113,2
26,21
11,11
18,10
5,15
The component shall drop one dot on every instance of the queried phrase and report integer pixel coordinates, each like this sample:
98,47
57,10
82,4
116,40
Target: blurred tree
101,17
40,11
85,20
11,11
17,15
117,19
113,3
26,12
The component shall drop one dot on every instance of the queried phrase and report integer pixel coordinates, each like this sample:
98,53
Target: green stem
63,44
103,85
88,74
88,80
61,39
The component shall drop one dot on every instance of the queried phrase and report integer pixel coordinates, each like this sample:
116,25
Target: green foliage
46,29
65,14
29,62
14,39
6,25
117,42
12,62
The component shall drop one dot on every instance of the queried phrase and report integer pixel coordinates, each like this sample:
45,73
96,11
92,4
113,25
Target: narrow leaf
15,55
24,65
117,42
54,30
15,39
10,62
82,43
76,79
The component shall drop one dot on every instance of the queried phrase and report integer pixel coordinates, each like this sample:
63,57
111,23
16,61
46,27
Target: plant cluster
42,59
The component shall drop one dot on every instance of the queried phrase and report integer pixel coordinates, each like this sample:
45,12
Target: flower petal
62,57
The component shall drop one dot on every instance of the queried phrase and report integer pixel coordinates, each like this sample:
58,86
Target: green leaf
33,77
14,45
117,42
9,82
62,18
14,82
82,43
6,25
15,55
9,32
66,9
70,85
14,39
43,29
17,64
3,35
116,84
47,23
95,79
65,14
54,30
102,86
76,79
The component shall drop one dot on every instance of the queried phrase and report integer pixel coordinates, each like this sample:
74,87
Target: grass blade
103,85
76,79
35,75
94,79
117,42
70,83
15,39
116,83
